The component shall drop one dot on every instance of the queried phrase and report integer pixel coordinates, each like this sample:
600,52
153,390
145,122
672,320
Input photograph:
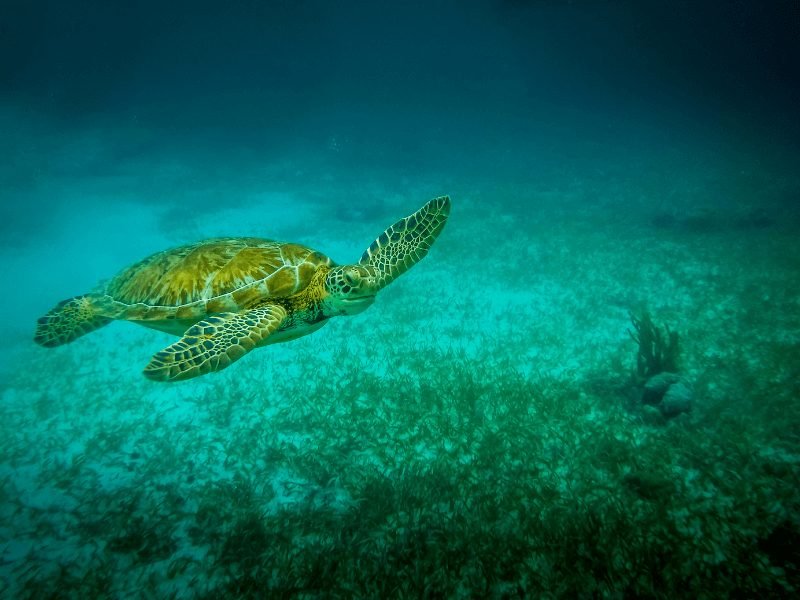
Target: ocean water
589,387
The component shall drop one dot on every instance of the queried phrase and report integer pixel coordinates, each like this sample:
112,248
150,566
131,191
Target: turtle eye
351,277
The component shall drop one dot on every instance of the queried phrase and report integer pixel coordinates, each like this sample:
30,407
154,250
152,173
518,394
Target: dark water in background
161,105
490,89
592,149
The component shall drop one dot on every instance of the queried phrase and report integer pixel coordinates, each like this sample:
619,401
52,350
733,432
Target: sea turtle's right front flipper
214,343
68,321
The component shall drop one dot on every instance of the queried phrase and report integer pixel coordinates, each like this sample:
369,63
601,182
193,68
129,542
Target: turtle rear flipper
214,343
406,242
68,321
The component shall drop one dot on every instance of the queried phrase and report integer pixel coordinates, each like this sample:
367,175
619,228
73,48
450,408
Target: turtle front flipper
406,242
67,321
214,343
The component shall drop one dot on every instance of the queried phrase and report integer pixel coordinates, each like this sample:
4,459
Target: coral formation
656,365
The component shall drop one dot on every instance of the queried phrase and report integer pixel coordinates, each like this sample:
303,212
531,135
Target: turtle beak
353,306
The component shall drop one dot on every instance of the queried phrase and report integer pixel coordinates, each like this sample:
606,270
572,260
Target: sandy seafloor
477,432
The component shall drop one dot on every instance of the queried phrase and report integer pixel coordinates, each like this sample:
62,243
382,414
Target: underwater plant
659,350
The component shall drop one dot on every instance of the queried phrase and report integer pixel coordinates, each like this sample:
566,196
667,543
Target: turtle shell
212,276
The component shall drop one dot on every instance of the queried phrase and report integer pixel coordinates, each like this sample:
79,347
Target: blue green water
588,388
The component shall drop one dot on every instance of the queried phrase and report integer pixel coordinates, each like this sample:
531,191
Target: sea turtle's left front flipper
214,343
406,242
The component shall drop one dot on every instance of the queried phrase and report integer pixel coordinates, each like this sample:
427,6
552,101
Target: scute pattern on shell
229,272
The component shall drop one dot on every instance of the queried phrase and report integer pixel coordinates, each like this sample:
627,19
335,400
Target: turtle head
351,289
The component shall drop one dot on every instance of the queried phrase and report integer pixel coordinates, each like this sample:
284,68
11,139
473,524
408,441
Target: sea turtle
227,296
